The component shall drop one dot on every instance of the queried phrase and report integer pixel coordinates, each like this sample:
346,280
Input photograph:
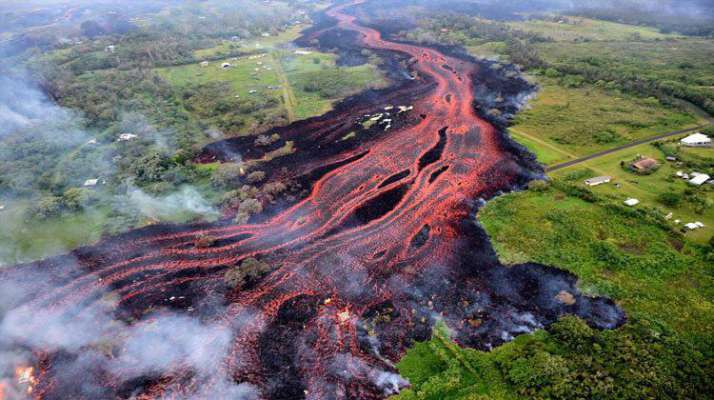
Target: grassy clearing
24,242
652,272
303,69
284,77
583,120
577,28
227,47
647,188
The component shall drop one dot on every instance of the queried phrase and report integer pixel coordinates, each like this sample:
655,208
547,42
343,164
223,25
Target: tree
91,29
669,199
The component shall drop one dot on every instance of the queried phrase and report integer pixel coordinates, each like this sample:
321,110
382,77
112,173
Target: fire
25,376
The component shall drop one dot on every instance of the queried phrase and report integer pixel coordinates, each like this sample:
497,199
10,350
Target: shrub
669,199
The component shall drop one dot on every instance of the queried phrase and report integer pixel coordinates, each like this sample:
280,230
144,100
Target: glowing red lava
383,245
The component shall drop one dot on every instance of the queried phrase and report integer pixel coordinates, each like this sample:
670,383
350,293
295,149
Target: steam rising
187,199
101,344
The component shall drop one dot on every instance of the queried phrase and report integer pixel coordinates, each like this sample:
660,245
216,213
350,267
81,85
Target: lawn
24,242
583,120
647,188
578,28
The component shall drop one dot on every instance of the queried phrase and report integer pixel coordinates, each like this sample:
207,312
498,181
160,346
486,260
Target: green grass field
578,28
283,76
24,242
227,47
647,188
569,122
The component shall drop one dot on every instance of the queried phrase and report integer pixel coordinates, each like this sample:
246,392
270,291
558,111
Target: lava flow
382,245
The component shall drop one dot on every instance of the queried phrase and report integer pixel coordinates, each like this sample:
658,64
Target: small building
2,207
697,140
644,165
598,180
632,202
302,52
692,226
125,137
91,182
226,65
204,63
671,158
110,49
699,179
92,141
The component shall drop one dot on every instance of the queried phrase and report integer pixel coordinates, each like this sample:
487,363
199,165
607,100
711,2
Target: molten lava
382,246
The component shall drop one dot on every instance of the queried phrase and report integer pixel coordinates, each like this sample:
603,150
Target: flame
25,376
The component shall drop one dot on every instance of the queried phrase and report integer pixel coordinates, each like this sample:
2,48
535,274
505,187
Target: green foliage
669,199
249,270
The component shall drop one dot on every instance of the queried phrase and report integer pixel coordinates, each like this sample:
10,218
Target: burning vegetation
317,297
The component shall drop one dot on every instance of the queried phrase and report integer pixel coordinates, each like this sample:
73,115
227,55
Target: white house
697,140
699,179
632,202
125,137
226,65
598,180
694,225
91,182
204,63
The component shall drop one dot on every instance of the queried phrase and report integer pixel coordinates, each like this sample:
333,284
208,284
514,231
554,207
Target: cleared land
578,28
563,123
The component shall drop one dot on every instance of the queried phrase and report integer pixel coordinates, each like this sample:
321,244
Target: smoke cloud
185,200
97,345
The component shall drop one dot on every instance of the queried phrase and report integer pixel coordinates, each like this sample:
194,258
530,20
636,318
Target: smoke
186,200
350,368
95,346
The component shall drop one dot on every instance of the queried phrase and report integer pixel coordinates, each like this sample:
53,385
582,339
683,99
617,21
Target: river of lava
383,246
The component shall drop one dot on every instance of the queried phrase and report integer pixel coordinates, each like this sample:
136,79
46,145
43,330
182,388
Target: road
618,148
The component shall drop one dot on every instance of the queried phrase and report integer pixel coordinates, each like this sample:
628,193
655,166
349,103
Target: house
644,165
697,140
302,52
698,179
110,49
91,182
694,225
125,137
92,141
632,202
204,63
598,180
671,158
2,207
226,65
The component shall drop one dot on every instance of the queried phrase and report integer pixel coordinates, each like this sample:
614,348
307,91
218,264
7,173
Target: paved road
624,146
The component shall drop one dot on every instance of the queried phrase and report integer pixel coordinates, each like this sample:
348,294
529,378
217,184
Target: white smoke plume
186,200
